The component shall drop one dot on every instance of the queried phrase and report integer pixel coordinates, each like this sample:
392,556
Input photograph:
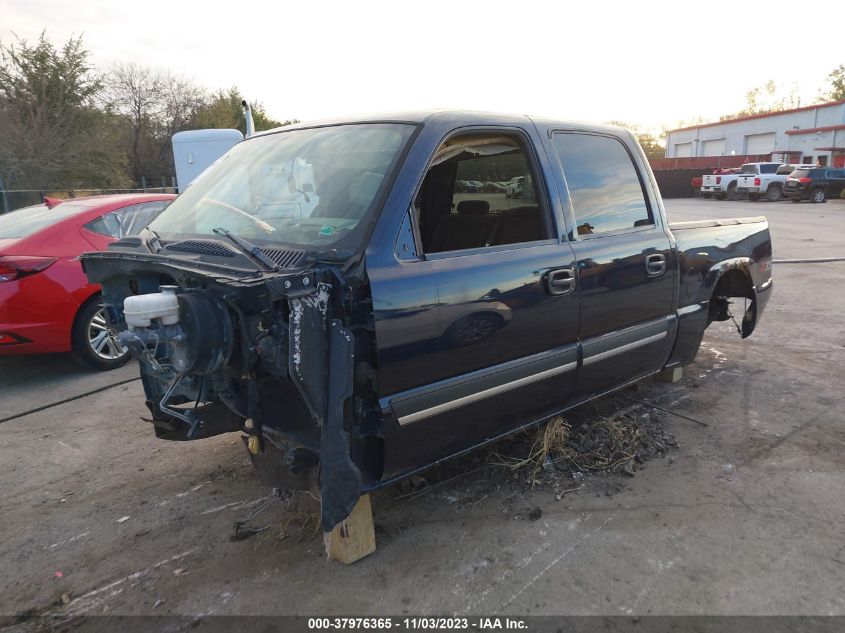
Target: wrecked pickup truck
327,291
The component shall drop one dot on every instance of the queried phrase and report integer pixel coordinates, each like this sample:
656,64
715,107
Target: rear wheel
92,341
706,195
732,195
817,196
773,194
754,197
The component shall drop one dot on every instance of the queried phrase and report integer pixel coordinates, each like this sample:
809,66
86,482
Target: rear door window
129,220
604,185
768,169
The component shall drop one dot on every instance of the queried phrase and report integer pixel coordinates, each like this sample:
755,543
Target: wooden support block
671,374
353,539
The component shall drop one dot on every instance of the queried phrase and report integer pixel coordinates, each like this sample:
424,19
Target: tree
652,145
52,133
154,105
223,110
836,92
770,97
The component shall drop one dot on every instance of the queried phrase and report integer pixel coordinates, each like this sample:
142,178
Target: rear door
477,320
626,263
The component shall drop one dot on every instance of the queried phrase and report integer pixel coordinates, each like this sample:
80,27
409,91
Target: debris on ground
594,449
618,442
611,438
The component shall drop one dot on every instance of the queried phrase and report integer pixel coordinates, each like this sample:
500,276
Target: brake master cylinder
192,329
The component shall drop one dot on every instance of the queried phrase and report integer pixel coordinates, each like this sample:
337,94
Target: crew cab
765,183
722,186
401,322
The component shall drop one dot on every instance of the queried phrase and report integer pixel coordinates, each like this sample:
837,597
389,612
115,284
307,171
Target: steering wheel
254,220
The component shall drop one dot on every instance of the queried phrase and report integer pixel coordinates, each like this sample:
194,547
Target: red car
46,302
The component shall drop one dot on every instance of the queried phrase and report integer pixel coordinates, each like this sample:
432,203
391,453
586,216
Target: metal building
811,134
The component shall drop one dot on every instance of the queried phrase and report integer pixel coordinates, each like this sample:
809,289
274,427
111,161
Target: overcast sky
647,63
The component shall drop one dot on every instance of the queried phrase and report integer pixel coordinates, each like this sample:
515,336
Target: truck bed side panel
706,251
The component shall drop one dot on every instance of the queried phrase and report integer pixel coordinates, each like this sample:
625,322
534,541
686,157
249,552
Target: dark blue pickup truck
336,293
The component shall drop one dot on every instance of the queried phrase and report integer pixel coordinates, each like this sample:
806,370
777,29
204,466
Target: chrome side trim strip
486,393
690,309
589,360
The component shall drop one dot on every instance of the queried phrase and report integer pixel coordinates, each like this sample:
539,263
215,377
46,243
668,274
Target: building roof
762,115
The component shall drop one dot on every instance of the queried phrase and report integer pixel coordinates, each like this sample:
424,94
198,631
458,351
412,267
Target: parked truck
725,186
768,184
400,322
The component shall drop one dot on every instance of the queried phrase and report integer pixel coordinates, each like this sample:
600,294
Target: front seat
470,227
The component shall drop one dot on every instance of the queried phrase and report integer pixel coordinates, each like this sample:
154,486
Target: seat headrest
473,207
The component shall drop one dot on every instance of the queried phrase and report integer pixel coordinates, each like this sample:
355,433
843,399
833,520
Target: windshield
24,222
311,187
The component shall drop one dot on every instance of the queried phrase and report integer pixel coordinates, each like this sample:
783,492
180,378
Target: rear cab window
604,185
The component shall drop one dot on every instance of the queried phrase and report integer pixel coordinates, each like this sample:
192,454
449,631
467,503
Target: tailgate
746,181
708,180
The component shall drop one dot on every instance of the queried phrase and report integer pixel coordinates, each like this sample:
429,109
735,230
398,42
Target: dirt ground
745,517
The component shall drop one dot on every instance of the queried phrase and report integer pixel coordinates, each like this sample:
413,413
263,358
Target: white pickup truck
723,186
766,183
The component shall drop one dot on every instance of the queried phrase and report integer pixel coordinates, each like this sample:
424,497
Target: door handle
560,281
655,264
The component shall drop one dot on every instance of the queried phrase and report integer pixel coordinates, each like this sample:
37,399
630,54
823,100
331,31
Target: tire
817,196
732,195
707,195
719,196
90,331
754,197
774,194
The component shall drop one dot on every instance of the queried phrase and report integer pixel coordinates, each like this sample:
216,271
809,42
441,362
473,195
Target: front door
477,327
626,265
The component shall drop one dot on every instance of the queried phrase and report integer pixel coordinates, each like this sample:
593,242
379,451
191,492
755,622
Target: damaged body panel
338,296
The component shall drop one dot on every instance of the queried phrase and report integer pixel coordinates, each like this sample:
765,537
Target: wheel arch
84,300
733,279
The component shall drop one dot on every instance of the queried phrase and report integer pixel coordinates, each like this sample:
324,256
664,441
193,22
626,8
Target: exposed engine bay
221,351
